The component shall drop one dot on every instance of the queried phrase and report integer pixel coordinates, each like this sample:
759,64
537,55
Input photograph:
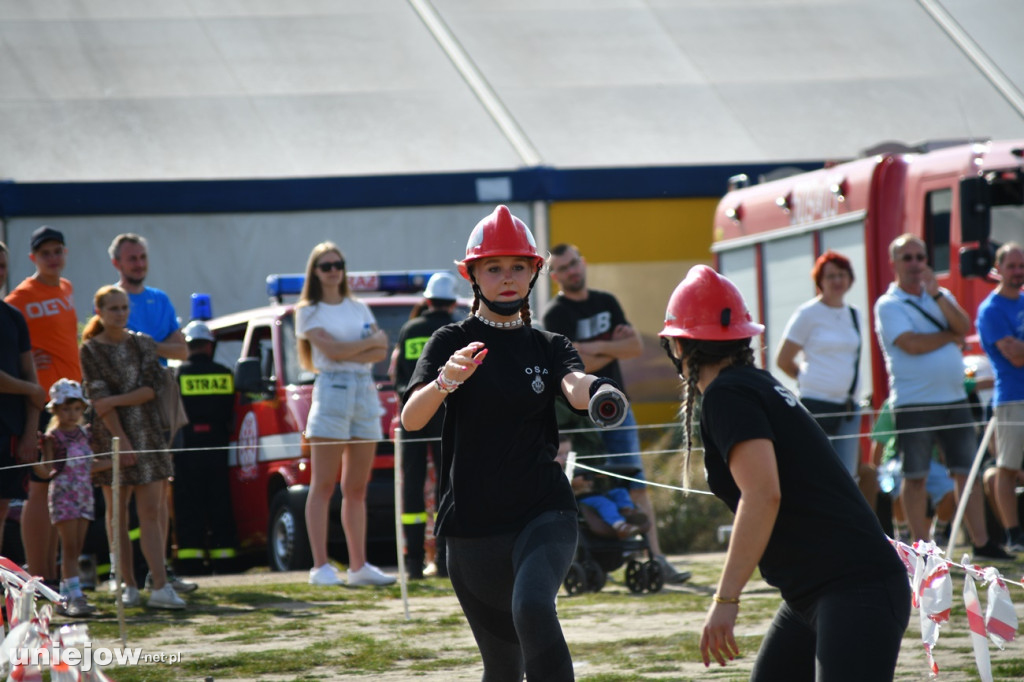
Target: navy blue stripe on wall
427,189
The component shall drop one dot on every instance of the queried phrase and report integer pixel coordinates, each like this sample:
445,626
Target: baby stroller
601,549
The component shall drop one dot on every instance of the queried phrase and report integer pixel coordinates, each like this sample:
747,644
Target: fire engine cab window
937,220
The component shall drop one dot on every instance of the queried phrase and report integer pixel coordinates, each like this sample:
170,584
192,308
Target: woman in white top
825,330
339,339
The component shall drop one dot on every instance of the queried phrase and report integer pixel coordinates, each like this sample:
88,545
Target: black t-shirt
14,341
593,319
500,437
825,532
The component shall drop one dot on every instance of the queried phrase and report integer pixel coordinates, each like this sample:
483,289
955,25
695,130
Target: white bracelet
444,384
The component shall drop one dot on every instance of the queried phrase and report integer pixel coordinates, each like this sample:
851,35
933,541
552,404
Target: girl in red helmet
506,509
800,518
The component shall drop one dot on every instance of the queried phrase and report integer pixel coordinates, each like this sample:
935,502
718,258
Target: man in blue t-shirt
1001,327
151,310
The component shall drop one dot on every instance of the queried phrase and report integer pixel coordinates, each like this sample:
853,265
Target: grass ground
275,627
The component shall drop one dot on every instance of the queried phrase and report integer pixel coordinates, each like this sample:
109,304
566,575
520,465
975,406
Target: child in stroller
611,531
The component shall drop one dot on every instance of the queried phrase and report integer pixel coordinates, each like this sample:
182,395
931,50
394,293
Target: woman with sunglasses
506,509
339,339
800,518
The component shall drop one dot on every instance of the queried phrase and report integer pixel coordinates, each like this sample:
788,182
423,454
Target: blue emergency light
388,282
202,307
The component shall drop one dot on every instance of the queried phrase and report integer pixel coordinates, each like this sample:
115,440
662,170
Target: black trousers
416,447
202,504
850,634
506,585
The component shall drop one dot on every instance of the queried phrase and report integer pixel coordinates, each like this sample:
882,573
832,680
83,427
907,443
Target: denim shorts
623,446
345,406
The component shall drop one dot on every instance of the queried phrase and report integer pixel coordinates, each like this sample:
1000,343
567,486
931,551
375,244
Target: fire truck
269,457
963,200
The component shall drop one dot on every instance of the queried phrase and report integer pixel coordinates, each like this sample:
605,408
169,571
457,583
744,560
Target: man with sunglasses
921,329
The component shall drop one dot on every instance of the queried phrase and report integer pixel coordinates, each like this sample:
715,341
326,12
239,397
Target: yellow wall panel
635,229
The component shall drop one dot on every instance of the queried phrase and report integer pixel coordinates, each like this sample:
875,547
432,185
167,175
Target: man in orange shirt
46,301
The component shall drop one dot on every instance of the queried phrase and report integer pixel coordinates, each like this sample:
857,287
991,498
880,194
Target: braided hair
698,353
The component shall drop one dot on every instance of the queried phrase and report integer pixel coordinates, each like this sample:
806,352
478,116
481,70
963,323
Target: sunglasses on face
333,265
907,257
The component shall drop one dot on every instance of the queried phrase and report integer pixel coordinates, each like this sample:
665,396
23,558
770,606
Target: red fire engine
269,459
963,200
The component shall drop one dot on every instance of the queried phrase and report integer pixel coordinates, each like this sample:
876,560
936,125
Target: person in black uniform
440,296
507,511
800,518
202,501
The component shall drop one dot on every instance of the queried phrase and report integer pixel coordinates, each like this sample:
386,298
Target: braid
524,312
696,354
476,302
689,398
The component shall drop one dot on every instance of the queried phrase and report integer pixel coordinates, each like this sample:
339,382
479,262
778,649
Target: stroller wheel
635,576
596,577
576,580
655,576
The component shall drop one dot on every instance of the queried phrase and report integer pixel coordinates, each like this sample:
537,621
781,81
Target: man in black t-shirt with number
595,323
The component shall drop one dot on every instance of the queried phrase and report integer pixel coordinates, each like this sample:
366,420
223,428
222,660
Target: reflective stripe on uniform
414,518
189,553
134,534
207,384
223,553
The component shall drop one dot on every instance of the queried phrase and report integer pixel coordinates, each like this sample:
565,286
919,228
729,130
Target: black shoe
991,550
415,572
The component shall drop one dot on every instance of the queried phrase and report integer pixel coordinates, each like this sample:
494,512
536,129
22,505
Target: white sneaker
180,585
369,575
130,596
165,598
325,575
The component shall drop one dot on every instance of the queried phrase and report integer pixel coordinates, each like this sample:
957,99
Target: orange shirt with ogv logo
52,327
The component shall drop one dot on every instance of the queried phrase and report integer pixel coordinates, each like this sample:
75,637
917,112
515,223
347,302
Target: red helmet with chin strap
499,234
708,307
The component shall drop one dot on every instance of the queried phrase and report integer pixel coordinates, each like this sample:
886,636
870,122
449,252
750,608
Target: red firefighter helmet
708,307
499,234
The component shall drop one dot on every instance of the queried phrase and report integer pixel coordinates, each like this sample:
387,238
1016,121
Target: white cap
197,331
441,286
64,390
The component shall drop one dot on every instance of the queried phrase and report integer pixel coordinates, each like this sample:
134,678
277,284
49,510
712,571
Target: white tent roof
146,89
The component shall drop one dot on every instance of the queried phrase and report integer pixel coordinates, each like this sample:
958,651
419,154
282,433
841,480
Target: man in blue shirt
151,310
921,328
1001,327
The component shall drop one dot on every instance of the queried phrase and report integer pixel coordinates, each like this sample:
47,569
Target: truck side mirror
975,210
977,262
248,377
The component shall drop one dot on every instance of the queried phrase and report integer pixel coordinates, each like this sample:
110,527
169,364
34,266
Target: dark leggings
848,634
506,585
